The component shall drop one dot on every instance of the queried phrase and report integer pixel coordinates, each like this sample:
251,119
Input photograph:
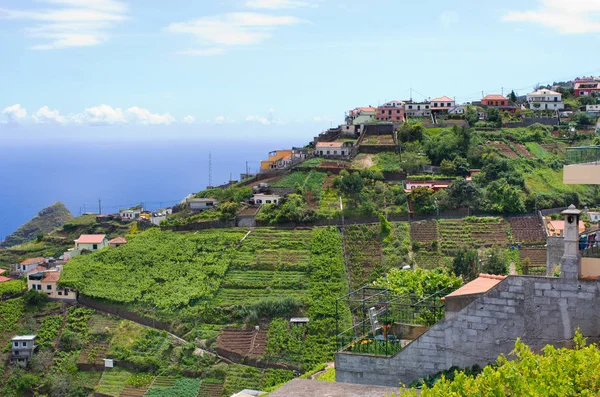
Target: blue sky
272,66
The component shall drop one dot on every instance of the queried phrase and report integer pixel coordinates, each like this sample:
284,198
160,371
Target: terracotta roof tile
91,238
33,261
4,279
330,144
443,99
481,284
51,277
118,240
494,97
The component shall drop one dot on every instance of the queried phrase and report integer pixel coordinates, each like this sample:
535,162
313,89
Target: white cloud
14,113
231,29
70,23
567,17
45,115
144,116
206,52
258,119
220,120
449,18
99,115
189,119
278,4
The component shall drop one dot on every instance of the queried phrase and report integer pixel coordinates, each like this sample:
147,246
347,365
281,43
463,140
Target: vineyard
527,230
472,232
363,253
269,263
156,271
424,232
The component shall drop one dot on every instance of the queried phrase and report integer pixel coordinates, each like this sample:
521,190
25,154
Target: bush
34,298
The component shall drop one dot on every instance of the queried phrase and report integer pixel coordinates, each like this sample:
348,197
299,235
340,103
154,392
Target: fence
376,315
583,155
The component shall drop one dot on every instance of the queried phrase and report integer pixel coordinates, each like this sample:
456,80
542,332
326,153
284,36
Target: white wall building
130,214
91,242
417,109
544,99
592,108
261,198
200,204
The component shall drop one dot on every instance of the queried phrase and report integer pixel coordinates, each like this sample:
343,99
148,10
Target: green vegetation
420,282
182,387
554,372
44,222
113,381
12,287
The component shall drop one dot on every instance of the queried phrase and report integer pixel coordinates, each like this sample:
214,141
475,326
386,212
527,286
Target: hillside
44,222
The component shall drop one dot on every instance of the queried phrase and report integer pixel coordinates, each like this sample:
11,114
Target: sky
270,68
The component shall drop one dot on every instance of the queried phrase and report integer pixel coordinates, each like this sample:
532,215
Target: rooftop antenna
502,91
210,169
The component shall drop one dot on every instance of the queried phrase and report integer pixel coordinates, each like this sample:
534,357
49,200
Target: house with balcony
587,88
417,109
332,149
544,99
498,101
361,115
22,349
391,111
46,282
442,104
281,159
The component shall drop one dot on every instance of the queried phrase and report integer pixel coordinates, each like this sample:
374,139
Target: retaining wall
555,248
539,310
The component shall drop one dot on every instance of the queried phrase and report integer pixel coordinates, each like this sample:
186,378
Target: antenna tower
210,169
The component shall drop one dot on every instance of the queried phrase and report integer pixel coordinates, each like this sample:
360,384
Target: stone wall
539,310
555,248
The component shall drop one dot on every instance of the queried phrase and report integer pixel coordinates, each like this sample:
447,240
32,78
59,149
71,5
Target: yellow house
274,157
46,282
91,242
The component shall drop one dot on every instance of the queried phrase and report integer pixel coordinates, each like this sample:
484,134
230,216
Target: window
555,99
449,104
16,353
49,287
581,92
335,152
328,152
398,111
16,344
23,267
418,107
24,344
389,112
410,106
435,104
95,246
59,293
39,287
268,201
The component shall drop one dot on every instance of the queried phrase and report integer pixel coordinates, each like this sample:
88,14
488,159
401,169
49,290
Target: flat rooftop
315,388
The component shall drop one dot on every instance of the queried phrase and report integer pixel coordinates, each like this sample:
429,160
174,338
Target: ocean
120,174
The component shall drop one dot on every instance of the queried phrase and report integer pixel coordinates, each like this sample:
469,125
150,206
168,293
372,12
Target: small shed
199,204
299,321
466,294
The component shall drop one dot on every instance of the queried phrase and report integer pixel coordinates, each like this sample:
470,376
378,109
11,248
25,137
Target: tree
462,167
504,198
352,185
422,200
583,120
586,100
465,264
410,133
512,96
472,116
228,210
497,262
413,162
494,116
33,298
448,168
463,193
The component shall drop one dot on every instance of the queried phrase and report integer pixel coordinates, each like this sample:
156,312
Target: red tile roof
494,97
367,109
118,240
51,277
33,261
91,238
481,284
442,99
4,279
38,269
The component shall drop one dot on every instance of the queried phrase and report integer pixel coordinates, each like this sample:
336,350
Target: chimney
570,268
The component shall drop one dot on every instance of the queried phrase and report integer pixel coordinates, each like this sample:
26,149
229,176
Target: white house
131,214
417,109
544,99
46,282
31,264
91,242
457,110
22,349
592,108
594,216
325,149
442,103
200,204
261,198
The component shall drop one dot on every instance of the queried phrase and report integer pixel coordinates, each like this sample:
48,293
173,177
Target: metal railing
583,155
377,315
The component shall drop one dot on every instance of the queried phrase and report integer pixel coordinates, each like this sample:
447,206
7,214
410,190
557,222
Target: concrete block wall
555,249
539,310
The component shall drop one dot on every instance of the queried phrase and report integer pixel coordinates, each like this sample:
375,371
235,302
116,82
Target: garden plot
554,148
424,231
269,263
472,232
208,389
503,148
180,387
242,342
385,139
522,150
428,260
113,381
363,252
537,260
527,230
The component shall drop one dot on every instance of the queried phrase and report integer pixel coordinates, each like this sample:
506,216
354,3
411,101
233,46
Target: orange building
494,100
274,158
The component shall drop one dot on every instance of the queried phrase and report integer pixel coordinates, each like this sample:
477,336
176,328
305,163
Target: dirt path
364,162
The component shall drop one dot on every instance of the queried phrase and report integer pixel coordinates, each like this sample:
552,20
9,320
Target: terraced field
428,260
113,381
424,232
269,263
527,230
522,150
503,149
210,389
242,342
479,232
537,260
363,252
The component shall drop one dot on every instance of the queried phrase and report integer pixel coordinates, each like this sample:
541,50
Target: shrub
34,298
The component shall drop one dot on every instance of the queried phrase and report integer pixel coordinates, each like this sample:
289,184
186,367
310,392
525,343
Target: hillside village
416,237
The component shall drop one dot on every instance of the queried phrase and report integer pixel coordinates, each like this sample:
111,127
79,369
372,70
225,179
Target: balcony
583,166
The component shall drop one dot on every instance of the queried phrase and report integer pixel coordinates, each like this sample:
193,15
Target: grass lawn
538,151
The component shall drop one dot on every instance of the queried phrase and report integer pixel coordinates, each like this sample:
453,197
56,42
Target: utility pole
84,210
210,169
502,91
99,206
246,169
